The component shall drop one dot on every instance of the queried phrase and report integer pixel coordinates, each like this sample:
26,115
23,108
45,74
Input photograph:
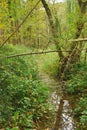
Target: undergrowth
24,99
50,64
77,86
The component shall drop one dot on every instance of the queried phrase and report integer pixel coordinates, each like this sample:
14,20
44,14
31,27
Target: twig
78,40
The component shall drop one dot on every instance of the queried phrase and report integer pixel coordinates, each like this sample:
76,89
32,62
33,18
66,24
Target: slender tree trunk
80,25
74,56
53,29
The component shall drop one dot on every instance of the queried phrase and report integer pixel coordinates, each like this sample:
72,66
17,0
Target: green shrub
24,99
78,82
77,86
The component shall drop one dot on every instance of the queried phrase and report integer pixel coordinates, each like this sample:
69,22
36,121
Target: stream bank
63,119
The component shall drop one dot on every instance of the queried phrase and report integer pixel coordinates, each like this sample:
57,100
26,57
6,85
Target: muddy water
67,122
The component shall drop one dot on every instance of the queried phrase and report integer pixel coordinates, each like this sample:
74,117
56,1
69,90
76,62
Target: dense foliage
50,25
24,99
77,87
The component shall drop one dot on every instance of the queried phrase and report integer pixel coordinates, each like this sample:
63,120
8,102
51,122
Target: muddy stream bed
66,121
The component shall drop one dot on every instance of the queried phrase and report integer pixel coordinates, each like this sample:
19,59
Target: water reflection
67,120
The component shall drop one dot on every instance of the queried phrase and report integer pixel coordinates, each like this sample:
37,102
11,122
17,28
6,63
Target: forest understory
43,65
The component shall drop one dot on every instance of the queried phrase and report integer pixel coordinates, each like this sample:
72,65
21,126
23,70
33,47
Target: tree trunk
53,29
74,56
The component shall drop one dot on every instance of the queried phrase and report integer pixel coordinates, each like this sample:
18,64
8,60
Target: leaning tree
75,51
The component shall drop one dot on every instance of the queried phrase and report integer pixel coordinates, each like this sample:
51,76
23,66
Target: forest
43,65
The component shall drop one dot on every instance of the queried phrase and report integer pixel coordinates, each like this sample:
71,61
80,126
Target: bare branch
37,53
78,40
33,53
19,25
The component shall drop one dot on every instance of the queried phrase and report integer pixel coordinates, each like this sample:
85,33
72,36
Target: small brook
66,122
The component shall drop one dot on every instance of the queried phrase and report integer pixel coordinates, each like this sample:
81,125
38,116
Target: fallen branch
37,53
33,53
19,25
78,40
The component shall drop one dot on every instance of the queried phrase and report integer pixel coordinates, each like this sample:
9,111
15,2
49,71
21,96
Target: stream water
67,122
